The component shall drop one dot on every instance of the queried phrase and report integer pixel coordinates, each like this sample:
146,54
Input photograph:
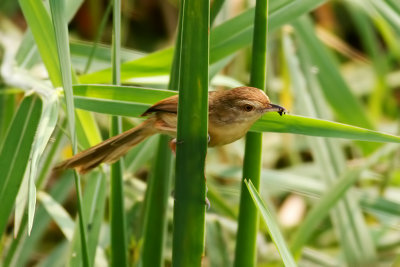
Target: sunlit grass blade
58,214
318,127
15,153
87,130
272,226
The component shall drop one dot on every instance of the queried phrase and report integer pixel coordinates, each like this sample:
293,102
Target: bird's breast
222,134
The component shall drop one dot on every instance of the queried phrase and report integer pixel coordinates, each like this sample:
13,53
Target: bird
231,113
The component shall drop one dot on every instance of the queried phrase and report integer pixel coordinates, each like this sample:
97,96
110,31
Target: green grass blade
7,109
155,222
15,153
119,252
158,189
272,226
189,208
245,251
297,124
63,54
94,203
87,131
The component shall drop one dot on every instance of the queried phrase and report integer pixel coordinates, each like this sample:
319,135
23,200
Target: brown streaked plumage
231,114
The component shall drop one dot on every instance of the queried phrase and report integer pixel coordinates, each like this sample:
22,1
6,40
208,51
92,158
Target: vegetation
323,180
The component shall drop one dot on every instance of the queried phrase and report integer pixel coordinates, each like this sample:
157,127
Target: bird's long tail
109,150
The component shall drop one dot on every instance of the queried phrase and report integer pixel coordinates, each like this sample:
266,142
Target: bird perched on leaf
231,113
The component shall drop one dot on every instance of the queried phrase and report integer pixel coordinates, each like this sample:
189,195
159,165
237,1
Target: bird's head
245,104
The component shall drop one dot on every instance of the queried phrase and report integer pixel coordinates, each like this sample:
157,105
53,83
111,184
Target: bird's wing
169,105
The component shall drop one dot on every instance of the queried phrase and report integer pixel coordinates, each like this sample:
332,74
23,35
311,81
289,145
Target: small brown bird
231,114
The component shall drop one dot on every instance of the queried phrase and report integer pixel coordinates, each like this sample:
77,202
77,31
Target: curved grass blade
47,123
272,226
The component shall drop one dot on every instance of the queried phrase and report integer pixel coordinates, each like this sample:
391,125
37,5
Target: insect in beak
277,108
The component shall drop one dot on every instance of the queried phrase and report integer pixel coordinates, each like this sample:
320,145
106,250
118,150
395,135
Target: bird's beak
277,108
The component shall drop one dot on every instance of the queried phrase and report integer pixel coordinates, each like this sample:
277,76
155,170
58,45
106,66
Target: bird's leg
172,145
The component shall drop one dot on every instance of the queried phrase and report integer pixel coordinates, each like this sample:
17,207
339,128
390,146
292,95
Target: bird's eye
248,107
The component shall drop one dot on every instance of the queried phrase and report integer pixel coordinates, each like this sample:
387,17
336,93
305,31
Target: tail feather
109,150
